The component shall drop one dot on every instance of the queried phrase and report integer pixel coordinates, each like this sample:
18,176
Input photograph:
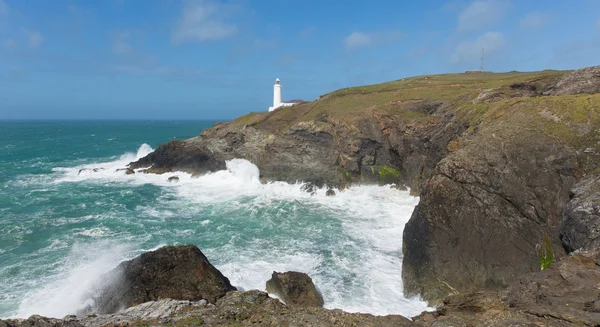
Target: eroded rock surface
585,80
581,226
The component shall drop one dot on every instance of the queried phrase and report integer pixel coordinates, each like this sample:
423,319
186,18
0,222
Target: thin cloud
34,38
10,44
203,21
470,50
121,44
362,40
358,40
307,31
4,9
534,21
481,14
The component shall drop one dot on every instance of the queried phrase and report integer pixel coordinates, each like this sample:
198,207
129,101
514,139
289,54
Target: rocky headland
506,166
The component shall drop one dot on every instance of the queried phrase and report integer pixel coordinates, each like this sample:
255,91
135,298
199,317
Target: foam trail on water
103,170
350,244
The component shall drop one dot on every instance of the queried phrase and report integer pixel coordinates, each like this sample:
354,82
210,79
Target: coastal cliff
493,156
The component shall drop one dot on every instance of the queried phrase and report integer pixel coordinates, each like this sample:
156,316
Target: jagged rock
179,155
581,225
568,290
148,311
586,80
176,272
309,188
173,179
565,294
295,288
128,171
330,192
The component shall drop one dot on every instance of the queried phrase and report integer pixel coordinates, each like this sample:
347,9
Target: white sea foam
360,273
68,291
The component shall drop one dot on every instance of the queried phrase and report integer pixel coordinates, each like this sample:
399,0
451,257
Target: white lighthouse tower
277,97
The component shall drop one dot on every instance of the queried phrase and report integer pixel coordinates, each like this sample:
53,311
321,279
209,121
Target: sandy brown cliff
494,158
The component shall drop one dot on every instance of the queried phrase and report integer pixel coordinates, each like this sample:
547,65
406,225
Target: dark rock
295,288
179,155
309,188
128,171
330,192
581,225
176,272
485,213
586,80
173,179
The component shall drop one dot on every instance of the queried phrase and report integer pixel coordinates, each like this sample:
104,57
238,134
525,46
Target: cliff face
493,157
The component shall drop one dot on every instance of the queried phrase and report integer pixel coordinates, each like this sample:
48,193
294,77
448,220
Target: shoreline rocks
294,288
564,294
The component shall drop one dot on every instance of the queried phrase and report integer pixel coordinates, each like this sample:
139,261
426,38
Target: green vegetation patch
546,254
388,174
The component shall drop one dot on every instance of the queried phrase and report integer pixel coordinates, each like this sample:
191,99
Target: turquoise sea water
61,227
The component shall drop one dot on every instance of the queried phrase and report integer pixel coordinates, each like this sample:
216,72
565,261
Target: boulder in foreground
295,288
175,272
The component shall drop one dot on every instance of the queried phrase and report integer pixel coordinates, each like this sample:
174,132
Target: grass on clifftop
356,102
506,99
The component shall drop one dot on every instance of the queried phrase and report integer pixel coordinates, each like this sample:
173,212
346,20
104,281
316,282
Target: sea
67,216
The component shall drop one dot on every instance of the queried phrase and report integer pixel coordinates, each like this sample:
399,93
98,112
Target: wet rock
179,155
309,188
295,288
581,224
173,179
176,272
330,192
128,171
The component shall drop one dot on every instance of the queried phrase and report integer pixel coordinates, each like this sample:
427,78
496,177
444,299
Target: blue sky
210,59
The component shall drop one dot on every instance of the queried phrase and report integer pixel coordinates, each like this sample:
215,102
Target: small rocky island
506,232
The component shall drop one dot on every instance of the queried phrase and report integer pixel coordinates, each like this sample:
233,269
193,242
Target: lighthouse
276,94
277,97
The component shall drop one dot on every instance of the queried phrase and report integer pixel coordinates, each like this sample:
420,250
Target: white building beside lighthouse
277,97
